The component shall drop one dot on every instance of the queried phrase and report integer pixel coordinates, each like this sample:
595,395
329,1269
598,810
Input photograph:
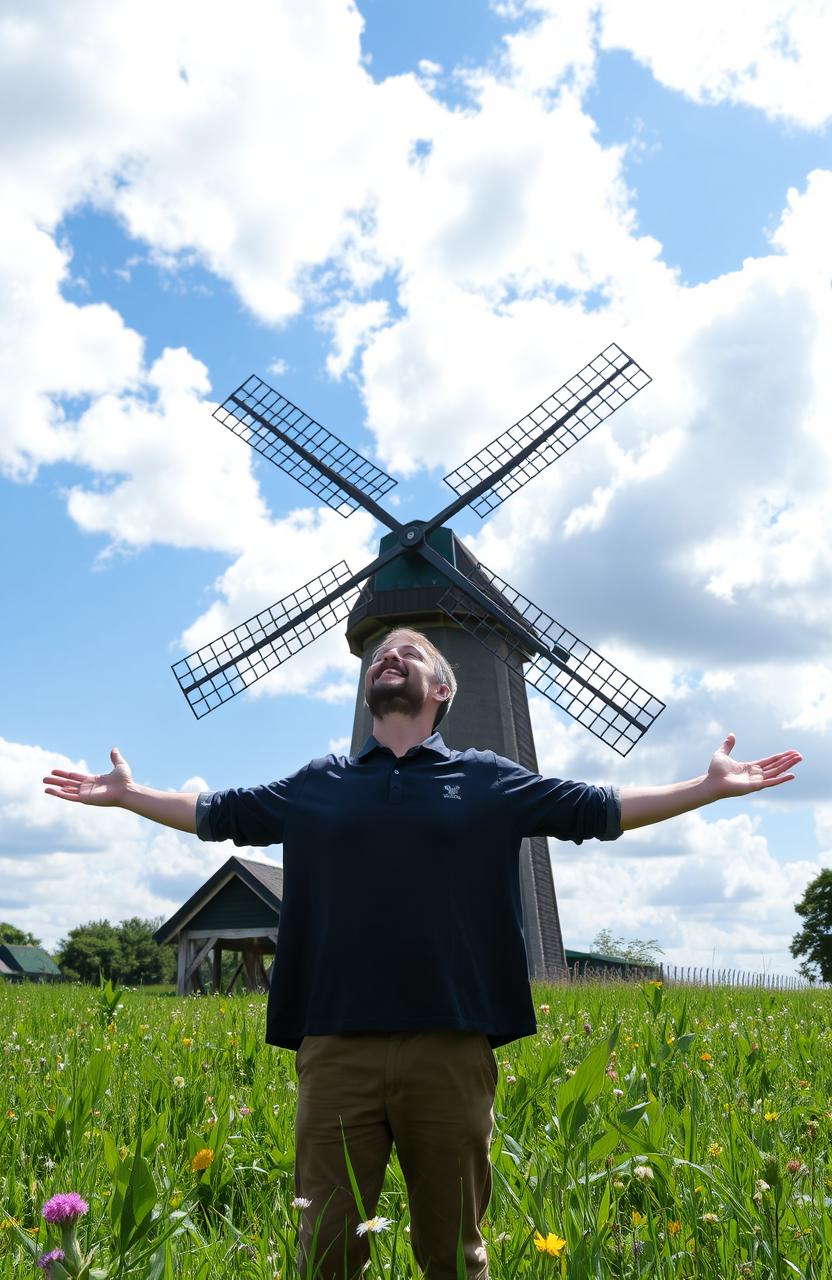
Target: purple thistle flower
54,1255
65,1207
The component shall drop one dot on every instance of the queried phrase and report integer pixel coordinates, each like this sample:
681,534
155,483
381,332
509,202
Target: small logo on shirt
452,793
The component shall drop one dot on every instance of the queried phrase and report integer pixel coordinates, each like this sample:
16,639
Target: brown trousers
430,1092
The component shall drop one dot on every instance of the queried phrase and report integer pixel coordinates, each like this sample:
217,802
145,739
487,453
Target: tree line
125,952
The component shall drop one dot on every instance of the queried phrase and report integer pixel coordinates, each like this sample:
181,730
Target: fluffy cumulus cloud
459,274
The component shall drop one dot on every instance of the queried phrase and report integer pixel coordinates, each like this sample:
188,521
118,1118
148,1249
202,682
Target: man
400,963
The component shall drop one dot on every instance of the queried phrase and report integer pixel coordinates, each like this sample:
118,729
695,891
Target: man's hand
727,777
117,789
88,788
641,806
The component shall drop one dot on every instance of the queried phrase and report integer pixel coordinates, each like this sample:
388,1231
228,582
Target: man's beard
383,699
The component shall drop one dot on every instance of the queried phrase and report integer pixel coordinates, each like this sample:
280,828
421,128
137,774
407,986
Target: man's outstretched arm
641,806
117,789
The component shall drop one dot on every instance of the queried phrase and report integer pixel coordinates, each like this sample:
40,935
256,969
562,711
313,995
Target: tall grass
644,1132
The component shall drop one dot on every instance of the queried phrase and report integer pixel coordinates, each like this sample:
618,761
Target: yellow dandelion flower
551,1244
202,1159
673,1227
771,1116
654,982
11,1115
705,1057
714,1149
187,1041
637,1217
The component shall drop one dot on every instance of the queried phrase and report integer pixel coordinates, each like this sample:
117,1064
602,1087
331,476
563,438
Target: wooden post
181,965
216,967
248,964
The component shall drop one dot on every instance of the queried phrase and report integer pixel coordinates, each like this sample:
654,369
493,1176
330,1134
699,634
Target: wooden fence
673,975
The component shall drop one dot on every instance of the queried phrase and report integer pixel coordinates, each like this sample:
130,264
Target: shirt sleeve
567,810
248,815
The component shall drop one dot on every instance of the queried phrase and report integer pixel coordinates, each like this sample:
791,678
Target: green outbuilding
27,964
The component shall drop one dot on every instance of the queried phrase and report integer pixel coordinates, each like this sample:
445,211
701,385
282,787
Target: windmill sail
547,432
585,685
300,446
218,671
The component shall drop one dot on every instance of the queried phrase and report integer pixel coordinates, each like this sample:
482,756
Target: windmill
424,576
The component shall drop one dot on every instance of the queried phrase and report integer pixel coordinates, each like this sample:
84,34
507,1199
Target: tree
15,937
125,953
636,951
815,938
142,959
89,950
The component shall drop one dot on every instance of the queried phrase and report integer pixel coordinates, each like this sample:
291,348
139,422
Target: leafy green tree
90,950
125,953
636,951
15,937
142,960
815,938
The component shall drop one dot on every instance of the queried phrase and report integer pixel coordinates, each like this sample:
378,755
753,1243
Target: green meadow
644,1132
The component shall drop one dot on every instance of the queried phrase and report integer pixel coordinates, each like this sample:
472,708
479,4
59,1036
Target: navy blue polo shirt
401,886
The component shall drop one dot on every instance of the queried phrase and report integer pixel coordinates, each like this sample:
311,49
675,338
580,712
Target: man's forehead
398,640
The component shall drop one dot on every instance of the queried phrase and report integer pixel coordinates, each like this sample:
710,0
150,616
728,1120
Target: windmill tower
423,576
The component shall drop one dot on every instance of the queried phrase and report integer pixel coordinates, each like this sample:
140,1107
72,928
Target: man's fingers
73,777
729,743
775,782
63,795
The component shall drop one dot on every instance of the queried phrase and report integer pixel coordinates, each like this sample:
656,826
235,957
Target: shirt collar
434,743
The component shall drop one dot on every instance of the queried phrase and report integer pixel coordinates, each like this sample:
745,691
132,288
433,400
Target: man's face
400,678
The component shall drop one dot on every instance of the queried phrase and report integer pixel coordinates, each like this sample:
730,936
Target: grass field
645,1131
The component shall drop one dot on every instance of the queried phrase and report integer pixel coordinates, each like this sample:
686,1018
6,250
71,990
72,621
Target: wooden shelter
237,909
29,964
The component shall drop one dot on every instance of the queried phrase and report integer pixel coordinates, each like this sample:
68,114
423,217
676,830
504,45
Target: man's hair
442,670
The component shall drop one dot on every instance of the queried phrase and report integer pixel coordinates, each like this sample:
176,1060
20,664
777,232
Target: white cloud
88,862
771,54
698,885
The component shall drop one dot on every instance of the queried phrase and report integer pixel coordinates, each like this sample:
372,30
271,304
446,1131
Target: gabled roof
263,878
31,960
4,968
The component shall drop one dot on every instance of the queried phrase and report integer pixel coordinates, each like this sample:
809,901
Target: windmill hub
413,534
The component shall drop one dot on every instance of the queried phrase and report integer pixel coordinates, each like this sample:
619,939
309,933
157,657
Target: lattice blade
586,686
300,446
545,434
217,672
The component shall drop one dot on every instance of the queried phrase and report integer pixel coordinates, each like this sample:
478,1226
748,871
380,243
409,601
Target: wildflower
511,1079
187,1041
812,1130
587,1028
794,1166
673,1227
245,1111
175,1200
618,1184
544,1008
771,1116
618,1093
714,1149
638,1247
202,1159
644,1172
300,1202
705,1057
710,1217
551,1244
65,1207
637,1217
373,1224
654,982
803,1084
179,1082
54,1255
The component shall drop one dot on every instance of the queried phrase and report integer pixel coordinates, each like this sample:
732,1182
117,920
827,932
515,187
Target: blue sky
480,201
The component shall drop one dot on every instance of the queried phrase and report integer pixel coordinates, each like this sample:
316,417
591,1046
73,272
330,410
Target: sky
416,220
